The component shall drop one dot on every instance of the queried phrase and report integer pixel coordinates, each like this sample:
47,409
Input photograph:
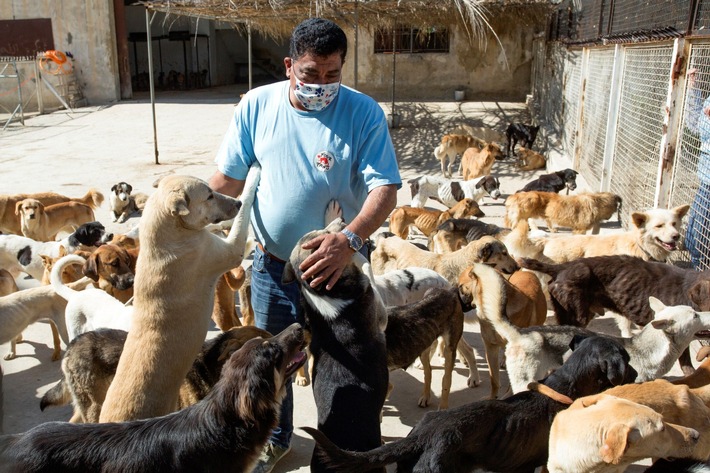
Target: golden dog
427,220
478,162
654,234
529,160
177,270
579,212
9,223
606,434
519,301
224,312
70,273
452,145
43,223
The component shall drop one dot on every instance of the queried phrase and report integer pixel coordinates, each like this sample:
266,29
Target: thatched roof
276,18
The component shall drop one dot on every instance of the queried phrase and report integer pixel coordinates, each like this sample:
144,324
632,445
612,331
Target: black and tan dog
413,328
225,431
91,358
350,374
509,435
519,132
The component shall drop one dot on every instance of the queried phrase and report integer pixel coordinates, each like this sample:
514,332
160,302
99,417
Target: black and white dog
123,203
350,375
21,254
449,192
520,132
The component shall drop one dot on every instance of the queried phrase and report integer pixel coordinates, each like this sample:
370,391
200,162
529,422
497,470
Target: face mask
315,97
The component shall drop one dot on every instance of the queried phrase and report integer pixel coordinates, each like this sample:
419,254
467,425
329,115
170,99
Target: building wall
86,29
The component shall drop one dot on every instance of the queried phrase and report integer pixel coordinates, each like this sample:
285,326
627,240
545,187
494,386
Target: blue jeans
697,235
276,306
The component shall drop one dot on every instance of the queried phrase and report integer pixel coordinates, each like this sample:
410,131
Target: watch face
356,242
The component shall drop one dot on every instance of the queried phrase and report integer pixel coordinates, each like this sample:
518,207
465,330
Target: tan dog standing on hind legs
177,271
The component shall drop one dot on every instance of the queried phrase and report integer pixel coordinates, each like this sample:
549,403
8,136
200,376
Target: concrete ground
99,146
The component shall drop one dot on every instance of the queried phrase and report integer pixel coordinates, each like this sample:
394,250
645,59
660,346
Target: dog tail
56,275
493,301
346,461
58,395
93,198
618,208
535,265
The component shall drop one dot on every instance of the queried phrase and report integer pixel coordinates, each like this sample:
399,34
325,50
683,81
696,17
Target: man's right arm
226,185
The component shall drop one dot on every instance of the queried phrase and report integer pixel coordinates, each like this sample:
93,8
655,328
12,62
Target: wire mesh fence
572,84
644,90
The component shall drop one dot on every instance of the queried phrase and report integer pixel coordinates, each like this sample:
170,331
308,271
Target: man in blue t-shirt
316,140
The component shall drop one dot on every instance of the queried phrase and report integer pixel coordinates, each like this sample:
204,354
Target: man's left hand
332,253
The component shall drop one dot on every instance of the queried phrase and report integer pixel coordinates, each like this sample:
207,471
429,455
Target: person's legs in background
697,235
276,306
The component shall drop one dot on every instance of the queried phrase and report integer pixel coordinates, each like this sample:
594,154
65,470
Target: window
412,40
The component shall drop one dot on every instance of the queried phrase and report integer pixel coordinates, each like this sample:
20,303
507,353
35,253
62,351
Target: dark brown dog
113,267
413,328
224,431
586,287
91,358
553,182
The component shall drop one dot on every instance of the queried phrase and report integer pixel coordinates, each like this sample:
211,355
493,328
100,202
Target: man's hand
332,253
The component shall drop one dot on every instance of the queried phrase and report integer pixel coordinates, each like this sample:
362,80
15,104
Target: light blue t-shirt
307,159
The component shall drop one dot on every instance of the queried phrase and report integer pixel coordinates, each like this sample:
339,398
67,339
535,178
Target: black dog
521,132
224,432
508,435
553,182
678,465
350,375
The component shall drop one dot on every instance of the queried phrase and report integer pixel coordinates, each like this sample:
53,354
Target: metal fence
627,117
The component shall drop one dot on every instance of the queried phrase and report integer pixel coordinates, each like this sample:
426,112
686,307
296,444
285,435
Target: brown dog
7,283
529,160
9,223
701,376
427,220
502,301
43,223
452,145
224,312
180,261
113,268
453,234
478,162
70,273
90,361
579,212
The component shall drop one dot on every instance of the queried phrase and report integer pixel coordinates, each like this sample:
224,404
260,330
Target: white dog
91,308
449,192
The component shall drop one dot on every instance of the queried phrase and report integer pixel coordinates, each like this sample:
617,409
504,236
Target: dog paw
424,401
418,364
333,211
301,381
9,356
474,383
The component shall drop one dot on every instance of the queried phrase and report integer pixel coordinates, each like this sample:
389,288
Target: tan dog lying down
578,212
427,220
606,434
529,160
176,274
653,235
519,301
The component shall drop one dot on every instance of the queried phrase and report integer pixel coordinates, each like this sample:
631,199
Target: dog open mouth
670,246
298,360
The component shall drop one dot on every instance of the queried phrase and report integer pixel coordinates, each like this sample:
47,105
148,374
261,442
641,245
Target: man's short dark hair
318,36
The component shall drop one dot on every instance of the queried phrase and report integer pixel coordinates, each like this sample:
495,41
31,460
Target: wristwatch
354,241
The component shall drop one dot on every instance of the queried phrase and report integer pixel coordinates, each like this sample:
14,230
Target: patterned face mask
315,97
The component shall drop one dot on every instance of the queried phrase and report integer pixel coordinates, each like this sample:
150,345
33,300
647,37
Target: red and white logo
324,161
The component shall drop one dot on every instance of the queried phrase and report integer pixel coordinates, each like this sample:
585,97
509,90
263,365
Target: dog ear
129,188
485,252
576,340
639,219
615,444
40,207
681,210
615,371
699,294
114,187
178,202
656,305
18,207
46,261
62,251
91,269
480,182
662,324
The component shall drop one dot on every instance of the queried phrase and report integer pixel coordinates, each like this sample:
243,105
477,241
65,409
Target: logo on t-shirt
324,161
